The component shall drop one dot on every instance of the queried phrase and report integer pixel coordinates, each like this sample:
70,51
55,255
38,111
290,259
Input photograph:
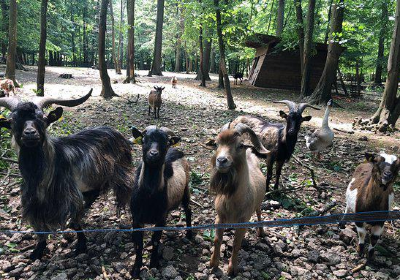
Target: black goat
278,138
64,175
161,185
238,75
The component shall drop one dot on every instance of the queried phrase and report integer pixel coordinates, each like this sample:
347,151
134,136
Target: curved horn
302,106
242,128
168,131
226,126
9,102
46,101
148,128
292,105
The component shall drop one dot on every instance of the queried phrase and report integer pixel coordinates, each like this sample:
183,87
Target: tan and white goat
239,186
371,189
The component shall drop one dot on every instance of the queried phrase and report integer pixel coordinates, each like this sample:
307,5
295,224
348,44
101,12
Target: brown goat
174,81
371,189
6,86
155,101
239,186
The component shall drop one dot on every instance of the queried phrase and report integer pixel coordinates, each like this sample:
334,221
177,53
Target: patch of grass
209,234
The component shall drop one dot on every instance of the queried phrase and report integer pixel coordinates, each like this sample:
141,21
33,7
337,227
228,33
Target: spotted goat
64,175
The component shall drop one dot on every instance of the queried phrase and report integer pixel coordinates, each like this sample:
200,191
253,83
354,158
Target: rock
169,272
61,276
313,256
296,253
331,258
16,272
200,276
285,275
297,271
168,253
363,138
347,235
340,273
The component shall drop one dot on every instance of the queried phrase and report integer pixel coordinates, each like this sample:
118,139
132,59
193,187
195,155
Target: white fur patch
361,235
388,158
351,197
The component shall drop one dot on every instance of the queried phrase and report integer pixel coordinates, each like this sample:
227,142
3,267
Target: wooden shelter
276,68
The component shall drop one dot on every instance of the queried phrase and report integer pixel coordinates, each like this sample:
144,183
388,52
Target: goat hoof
80,248
360,250
232,271
135,272
36,255
370,255
189,234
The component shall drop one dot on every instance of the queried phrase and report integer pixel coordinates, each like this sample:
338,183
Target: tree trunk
73,35
300,30
308,38
178,48
42,50
329,23
157,60
229,98
206,58
130,66
389,108
5,26
113,51
85,37
107,92
121,39
202,67
12,42
213,67
280,18
381,44
322,92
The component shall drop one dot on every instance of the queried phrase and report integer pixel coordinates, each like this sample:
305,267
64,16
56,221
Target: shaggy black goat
64,175
161,185
278,138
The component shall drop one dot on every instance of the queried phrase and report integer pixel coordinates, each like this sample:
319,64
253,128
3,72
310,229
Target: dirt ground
196,114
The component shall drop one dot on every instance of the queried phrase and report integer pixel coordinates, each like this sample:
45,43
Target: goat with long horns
278,138
64,175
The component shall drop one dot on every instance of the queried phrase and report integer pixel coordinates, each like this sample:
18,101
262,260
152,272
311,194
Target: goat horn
243,128
292,105
302,106
148,128
9,102
167,130
46,101
226,126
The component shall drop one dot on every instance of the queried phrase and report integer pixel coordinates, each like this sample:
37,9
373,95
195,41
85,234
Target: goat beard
223,183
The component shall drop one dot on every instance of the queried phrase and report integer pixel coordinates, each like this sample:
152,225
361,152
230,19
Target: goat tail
122,186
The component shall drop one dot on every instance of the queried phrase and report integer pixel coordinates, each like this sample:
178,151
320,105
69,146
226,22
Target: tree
308,39
130,71
222,65
120,40
107,92
202,70
389,108
12,42
113,51
322,92
300,30
280,18
381,44
42,50
157,60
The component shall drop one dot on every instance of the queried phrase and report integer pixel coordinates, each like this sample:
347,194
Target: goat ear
6,123
283,115
137,136
55,115
307,119
373,158
162,88
174,140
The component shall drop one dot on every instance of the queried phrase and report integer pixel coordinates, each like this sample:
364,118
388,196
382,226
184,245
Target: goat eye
241,146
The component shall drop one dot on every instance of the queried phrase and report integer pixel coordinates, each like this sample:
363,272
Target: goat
161,185
6,86
155,100
64,175
239,185
371,189
238,75
278,138
174,81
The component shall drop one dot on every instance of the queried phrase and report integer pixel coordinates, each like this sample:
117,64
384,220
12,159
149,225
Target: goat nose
29,131
222,160
153,152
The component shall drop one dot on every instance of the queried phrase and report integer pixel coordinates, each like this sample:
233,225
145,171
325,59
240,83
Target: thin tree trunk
389,108
229,98
5,25
113,51
280,18
107,92
12,42
300,30
381,44
329,23
202,68
119,48
85,37
130,73
178,51
73,34
206,59
308,38
42,50
213,68
157,59
322,92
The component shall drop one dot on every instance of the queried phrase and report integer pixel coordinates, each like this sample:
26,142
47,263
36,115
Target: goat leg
149,110
137,238
158,112
279,165
260,230
214,262
81,244
237,244
361,231
376,232
155,240
37,253
270,166
188,211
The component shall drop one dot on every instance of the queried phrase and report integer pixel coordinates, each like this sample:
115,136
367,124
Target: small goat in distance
155,100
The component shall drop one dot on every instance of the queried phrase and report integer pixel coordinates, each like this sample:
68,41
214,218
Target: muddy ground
196,114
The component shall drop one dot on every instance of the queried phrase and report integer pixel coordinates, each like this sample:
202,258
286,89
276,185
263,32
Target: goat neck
326,117
152,177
